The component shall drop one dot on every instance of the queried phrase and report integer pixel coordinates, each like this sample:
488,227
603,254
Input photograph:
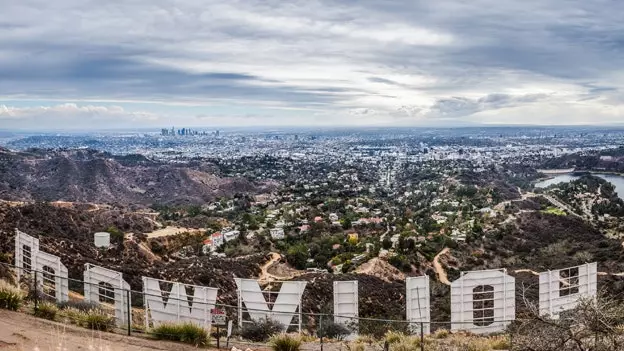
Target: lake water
616,180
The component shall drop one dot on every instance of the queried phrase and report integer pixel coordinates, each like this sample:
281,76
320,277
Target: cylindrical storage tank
102,239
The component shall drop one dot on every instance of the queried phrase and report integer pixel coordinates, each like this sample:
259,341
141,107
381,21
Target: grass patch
97,320
285,342
11,297
80,305
554,211
183,332
46,310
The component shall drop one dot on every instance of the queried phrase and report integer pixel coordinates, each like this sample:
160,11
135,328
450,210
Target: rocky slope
92,176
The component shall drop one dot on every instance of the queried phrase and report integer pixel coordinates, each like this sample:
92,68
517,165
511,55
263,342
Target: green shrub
285,342
332,330
11,297
262,330
46,310
184,332
97,319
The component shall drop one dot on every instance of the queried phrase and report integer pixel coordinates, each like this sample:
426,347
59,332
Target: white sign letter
287,303
483,301
346,303
418,303
107,286
180,307
560,290
52,278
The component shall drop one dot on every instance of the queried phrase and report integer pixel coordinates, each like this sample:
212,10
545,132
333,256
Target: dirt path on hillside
441,273
170,230
264,270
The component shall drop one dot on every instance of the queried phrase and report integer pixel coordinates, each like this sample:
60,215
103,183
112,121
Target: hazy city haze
89,64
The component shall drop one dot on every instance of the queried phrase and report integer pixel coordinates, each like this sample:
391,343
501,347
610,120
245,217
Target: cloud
71,116
291,62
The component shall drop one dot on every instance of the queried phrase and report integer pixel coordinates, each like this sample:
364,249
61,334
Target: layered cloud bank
311,62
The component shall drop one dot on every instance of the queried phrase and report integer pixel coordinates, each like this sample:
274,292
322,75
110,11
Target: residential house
395,240
231,235
458,235
440,219
217,239
212,243
352,237
277,233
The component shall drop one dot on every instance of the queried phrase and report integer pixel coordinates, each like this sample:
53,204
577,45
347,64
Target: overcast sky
91,63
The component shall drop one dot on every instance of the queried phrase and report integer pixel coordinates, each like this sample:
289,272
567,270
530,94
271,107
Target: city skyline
75,65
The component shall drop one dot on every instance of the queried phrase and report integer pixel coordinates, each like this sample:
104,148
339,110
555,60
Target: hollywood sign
481,301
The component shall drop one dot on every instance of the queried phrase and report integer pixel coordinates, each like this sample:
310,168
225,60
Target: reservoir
616,180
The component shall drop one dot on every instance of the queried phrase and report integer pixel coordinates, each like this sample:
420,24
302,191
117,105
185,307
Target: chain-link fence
127,311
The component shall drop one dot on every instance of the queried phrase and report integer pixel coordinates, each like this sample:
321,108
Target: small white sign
218,317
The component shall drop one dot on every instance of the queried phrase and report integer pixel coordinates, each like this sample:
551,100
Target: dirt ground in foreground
21,332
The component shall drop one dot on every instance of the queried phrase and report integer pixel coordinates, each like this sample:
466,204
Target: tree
346,223
386,243
297,256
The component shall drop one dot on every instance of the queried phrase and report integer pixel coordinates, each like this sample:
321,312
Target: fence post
129,312
36,296
218,338
321,329
422,336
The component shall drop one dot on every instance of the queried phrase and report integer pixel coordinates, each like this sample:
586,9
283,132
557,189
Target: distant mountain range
99,177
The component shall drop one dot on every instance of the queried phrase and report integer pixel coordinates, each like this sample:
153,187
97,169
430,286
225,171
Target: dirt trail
264,270
526,271
170,230
441,273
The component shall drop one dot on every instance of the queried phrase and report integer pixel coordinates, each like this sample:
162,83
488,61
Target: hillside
534,241
99,177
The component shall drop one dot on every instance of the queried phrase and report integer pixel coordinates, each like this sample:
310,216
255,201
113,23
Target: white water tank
102,239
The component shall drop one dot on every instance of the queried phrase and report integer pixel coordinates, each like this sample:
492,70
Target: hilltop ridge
92,176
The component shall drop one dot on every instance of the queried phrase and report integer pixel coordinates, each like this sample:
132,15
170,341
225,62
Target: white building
277,233
231,235
395,240
217,239
458,235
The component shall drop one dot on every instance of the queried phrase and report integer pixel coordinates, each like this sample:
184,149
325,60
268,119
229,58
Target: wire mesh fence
104,306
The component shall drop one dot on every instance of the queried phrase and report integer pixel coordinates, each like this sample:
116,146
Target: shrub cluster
93,318
97,319
11,297
184,332
46,310
285,342
261,330
332,330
